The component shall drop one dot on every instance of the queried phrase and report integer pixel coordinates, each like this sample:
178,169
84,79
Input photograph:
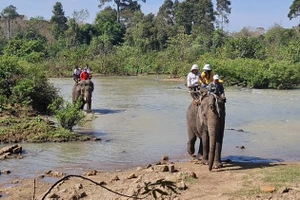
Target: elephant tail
212,150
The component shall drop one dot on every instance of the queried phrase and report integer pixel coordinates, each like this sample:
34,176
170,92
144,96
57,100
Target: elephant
206,120
83,91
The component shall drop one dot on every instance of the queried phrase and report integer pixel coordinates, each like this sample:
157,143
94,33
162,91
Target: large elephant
83,91
207,121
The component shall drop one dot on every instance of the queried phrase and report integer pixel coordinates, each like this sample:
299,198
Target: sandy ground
191,180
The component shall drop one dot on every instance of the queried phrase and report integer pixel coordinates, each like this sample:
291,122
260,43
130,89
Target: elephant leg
205,141
191,141
88,106
219,144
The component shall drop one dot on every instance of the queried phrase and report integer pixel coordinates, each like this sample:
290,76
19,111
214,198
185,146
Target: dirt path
193,181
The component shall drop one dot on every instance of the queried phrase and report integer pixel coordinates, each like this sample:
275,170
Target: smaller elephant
83,91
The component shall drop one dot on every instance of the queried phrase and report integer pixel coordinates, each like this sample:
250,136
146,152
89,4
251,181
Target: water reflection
141,118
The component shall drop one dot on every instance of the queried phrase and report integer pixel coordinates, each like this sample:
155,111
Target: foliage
25,85
58,20
9,13
121,5
68,115
244,47
158,189
124,41
35,130
223,11
294,10
30,47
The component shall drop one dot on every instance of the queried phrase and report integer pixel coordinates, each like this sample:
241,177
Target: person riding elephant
207,75
193,81
216,88
83,92
207,122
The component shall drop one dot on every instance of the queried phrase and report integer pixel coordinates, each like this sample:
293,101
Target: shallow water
140,119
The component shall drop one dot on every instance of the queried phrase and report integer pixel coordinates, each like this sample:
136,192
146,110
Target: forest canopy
122,40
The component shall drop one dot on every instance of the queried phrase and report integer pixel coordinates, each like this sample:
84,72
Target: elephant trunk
212,149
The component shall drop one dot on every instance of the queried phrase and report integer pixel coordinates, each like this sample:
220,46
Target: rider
216,87
76,74
84,75
193,80
88,70
207,75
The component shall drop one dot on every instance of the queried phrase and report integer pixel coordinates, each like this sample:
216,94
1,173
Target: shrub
68,115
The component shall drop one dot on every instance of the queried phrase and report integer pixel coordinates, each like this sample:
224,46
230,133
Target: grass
282,175
35,129
277,176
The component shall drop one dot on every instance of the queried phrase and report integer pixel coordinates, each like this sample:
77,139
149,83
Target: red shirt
84,76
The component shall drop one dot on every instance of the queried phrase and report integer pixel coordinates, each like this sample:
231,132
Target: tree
143,34
164,22
80,16
195,16
9,13
183,15
223,10
166,12
58,20
121,4
108,27
294,10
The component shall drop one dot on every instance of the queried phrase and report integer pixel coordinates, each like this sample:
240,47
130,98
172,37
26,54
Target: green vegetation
277,176
125,41
35,129
67,114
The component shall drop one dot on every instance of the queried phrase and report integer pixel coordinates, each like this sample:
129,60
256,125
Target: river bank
189,180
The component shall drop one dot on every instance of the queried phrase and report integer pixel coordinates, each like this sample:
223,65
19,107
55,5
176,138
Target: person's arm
201,79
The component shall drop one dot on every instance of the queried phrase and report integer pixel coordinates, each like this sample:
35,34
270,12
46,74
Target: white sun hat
195,66
216,77
207,67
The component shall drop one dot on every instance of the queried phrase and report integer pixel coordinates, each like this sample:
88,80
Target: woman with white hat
207,75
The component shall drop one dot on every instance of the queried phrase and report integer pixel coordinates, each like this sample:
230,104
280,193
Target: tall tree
166,12
108,27
9,13
121,4
183,15
165,21
294,10
58,20
223,11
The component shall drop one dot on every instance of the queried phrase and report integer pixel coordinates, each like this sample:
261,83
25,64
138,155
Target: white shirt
77,71
88,70
192,79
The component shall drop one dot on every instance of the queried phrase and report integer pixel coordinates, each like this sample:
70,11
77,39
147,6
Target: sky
244,13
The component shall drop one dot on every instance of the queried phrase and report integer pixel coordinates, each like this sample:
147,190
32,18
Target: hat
216,77
207,67
195,66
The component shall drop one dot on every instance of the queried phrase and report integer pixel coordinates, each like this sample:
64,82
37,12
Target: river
140,119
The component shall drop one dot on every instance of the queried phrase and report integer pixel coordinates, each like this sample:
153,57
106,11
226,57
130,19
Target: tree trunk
118,12
8,28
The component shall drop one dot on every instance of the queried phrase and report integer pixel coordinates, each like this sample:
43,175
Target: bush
68,115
